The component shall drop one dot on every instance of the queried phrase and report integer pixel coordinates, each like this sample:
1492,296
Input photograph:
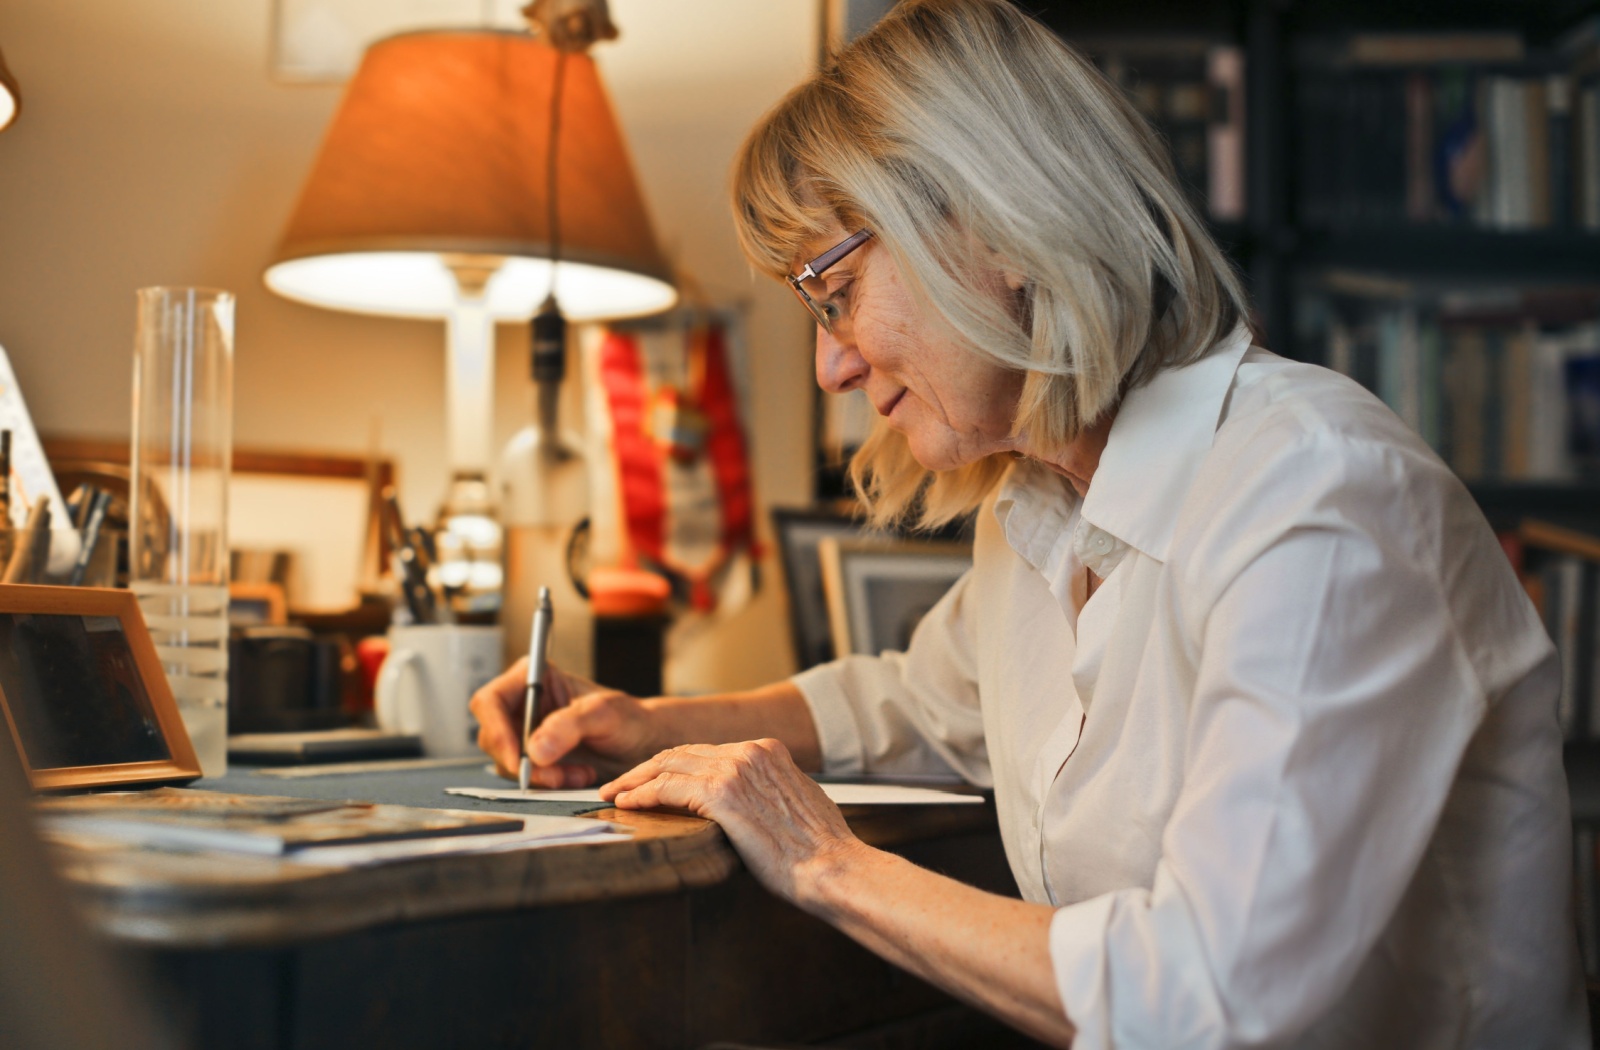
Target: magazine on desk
267,825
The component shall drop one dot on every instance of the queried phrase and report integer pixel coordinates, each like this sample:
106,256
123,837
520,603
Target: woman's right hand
588,731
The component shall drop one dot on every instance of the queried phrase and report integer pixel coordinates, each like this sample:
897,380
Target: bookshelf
1316,75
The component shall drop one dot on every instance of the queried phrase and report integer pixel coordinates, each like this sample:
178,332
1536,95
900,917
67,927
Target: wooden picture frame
878,590
152,746
326,512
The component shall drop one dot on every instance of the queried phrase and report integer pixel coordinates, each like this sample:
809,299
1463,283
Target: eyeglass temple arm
837,252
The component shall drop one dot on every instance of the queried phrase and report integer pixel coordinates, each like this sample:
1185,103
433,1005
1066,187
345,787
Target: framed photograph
879,590
83,693
798,534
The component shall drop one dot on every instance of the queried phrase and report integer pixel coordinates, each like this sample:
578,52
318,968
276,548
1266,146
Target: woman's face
954,406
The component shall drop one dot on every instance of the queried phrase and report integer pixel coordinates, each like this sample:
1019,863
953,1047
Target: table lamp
10,96
436,194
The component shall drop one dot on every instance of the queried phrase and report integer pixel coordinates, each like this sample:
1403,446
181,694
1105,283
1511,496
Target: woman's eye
835,303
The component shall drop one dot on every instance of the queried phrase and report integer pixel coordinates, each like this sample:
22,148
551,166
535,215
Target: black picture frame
799,532
879,589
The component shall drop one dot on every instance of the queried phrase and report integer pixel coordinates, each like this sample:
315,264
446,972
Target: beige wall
154,149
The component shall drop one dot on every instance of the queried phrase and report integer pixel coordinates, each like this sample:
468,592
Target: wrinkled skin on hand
787,831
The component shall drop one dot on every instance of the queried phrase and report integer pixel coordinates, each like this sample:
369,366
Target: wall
154,148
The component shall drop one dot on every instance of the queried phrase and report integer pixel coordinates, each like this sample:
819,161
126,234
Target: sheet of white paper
530,795
537,832
842,794
893,795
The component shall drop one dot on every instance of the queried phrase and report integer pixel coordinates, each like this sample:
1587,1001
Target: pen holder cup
101,570
428,680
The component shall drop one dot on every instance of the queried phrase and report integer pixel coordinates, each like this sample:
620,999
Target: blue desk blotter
402,787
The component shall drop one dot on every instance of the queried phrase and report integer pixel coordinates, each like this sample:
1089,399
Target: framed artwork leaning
878,589
83,694
798,534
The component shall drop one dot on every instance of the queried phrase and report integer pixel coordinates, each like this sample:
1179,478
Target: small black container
283,679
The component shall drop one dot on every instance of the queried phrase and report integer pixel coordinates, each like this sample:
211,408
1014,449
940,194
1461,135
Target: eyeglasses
816,299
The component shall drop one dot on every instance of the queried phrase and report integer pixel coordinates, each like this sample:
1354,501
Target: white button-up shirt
1292,775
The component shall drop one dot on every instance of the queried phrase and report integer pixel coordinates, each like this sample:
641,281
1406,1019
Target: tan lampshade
440,148
10,96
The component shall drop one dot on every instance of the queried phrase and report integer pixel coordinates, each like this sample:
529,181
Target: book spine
1536,130
1493,404
1390,362
1225,134
1516,394
1583,649
1351,159
1340,352
1588,149
1550,612
1429,396
1365,346
1419,148
1466,380
1571,571
1558,136
1399,146
1547,407
1409,348
1487,201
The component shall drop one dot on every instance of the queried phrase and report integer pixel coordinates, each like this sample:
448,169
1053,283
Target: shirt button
1102,542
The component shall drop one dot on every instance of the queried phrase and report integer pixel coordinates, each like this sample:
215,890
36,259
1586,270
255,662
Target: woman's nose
840,366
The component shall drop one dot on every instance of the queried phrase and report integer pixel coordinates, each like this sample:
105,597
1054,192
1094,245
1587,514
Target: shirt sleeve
911,713
1333,702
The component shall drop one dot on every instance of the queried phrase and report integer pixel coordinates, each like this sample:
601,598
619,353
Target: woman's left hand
783,825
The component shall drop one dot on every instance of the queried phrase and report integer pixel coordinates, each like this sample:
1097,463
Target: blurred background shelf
1518,256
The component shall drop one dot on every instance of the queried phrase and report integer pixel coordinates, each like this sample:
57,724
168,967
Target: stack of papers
538,832
308,831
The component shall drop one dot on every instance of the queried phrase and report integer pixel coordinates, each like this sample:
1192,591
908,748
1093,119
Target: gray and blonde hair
959,128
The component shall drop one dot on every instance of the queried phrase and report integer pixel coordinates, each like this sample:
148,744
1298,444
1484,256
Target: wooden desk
659,941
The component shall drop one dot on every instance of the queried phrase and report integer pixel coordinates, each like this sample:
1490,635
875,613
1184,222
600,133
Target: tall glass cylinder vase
182,454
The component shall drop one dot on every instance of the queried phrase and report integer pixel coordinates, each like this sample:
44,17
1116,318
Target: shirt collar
1162,432
1034,508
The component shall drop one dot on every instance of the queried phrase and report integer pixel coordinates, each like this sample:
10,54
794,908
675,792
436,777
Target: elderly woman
1270,725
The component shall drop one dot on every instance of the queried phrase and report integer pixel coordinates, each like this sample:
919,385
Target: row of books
1193,91
1452,128
1566,590
1503,384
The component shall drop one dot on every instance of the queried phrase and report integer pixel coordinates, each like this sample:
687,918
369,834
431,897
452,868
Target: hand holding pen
583,732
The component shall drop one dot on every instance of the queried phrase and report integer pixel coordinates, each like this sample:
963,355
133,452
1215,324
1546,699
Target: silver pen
538,645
